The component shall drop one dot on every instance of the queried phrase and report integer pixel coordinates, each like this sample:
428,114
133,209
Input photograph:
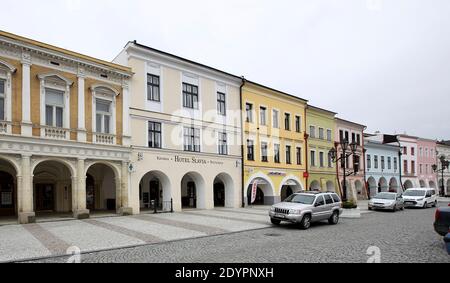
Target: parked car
420,197
307,207
447,242
442,221
387,201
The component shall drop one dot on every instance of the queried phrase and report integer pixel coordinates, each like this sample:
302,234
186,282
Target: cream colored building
186,132
64,132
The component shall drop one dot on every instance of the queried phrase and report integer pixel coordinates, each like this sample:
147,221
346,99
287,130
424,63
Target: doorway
45,197
190,200
90,193
219,195
155,193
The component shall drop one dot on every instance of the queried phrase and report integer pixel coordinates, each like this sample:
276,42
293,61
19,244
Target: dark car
442,221
447,242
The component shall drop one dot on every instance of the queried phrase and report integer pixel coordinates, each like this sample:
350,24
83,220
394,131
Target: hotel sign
189,160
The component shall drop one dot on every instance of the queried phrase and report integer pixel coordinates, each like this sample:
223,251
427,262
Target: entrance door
155,194
7,195
259,197
45,197
90,193
192,194
219,195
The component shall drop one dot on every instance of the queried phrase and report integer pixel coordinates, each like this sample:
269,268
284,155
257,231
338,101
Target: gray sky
382,63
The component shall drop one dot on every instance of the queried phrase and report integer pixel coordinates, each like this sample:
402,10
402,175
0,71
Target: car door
319,209
428,197
329,206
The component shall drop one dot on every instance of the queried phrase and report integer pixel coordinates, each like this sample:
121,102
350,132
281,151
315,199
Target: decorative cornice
47,75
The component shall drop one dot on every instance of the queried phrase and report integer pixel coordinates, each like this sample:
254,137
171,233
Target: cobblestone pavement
406,236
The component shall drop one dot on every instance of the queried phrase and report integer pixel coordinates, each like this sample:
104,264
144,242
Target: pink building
426,158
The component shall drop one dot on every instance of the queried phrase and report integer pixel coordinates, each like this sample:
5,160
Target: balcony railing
104,138
55,133
3,127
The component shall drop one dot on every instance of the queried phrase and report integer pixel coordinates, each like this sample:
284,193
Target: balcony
4,129
54,133
101,138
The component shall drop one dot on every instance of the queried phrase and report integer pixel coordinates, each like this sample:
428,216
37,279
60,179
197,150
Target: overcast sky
382,63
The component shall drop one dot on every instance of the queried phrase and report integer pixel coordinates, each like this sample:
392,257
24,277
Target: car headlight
294,211
272,209
421,199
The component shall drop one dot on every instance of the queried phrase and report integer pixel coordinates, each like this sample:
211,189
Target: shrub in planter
349,205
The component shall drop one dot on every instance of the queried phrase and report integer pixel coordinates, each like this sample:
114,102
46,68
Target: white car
386,201
420,197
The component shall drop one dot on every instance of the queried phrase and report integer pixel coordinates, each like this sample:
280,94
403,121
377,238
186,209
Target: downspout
306,153
363,144
242,142
400,162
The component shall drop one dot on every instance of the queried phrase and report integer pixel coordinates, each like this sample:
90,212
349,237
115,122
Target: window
313,158
277,153
375,161
358,139
190,96
223,144
431,152
427,169
299,156
321,160
353,137
287,121
320,201
382,163
298,124
389,163
346,136
405,166
250,150
249,111
54,108
262,116
426,152
395,164
2,100
356,162
321,134
420,169
335,198
329,135
412,151
288,154
153,93
328,199
369,161
276,122
341,135
420,151
154,135
103,116
312,131
330,161
413,167
192,139
221,104
405,150
264,157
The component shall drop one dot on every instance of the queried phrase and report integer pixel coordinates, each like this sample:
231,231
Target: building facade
408,164
321,128
382,166
64,132
426,158
186,132
443,149
353,133
274,138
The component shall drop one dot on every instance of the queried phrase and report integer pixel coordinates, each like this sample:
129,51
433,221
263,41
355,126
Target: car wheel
334,219
425,205
435,204
394,209
306,222
275,221
370,208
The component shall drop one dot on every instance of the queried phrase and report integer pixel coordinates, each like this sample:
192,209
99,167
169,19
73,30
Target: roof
350,122
275,90
64,51
182,59
444,143
321,109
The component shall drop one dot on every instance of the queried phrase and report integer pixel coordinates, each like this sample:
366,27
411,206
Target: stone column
81,135
27,126
124,206
25,192
126,140
79,192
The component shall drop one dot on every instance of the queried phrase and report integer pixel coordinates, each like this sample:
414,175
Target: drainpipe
306,153
363,144
242,142
400,162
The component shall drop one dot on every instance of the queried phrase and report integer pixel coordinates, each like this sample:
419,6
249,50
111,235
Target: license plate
280,215
408,202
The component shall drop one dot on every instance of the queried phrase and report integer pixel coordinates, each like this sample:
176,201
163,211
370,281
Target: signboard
305,175
254,191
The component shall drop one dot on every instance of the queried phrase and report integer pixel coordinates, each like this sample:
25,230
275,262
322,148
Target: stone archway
224,191
432,184
373,188
193,191
422,184
315,186
359,188
289,186
331,187
8,189
155,190
103,194
408,184
382,185
393,186
265,191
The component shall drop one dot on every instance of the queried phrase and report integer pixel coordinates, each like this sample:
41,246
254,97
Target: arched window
55,105
104,113
6,71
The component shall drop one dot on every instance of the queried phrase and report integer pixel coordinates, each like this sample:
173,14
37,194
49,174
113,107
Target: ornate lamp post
444,165
347,151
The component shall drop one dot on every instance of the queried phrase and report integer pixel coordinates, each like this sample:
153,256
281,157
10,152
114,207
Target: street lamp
347,151
444,165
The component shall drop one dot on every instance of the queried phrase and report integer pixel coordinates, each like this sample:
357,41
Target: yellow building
274,144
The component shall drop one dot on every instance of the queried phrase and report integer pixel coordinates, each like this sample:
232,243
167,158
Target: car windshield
414,193
385,196
300,198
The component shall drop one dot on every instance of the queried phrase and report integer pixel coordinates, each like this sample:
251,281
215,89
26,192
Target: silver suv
307,207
